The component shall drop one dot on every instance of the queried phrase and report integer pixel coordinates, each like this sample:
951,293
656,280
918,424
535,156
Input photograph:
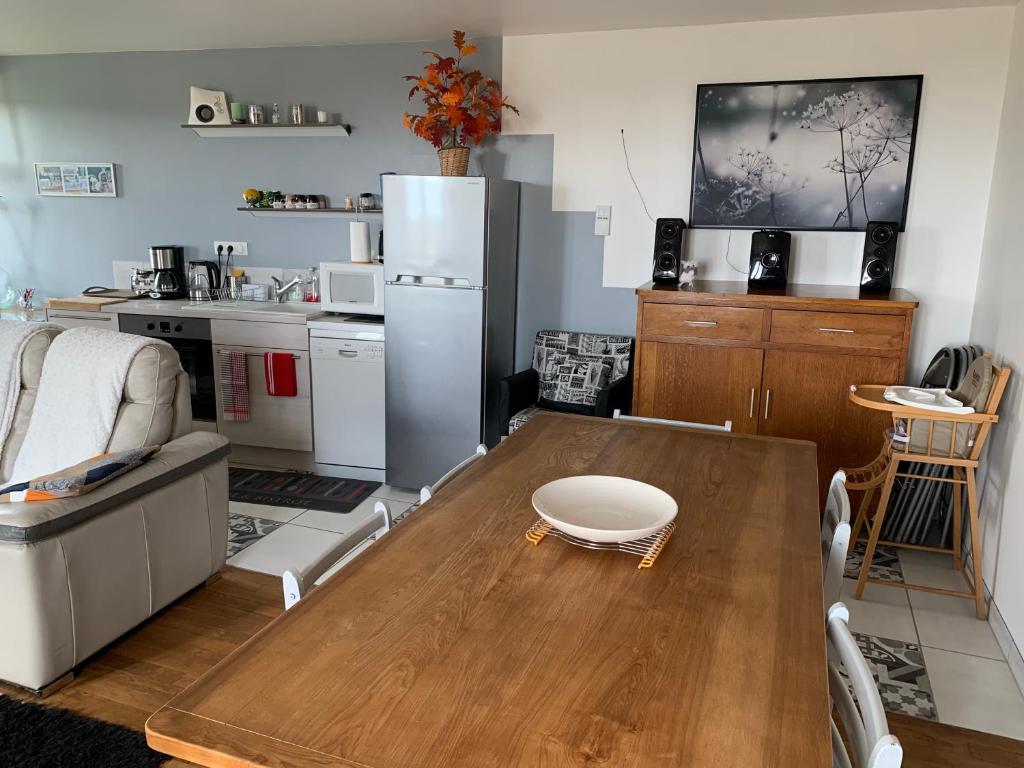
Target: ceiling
66,26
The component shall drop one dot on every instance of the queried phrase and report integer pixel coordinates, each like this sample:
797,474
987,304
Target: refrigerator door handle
429,281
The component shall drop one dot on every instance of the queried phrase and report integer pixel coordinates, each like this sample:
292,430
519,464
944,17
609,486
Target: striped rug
295,489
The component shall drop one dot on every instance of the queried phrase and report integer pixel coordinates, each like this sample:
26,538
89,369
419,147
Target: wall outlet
240,248
603,220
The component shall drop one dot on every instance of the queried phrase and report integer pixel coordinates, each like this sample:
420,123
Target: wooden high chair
973,429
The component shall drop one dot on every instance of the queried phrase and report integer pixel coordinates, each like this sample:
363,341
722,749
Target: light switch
603,220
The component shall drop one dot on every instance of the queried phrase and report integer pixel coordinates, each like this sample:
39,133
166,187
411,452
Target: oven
190,337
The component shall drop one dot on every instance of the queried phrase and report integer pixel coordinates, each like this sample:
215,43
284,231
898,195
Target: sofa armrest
515,392
29,521
619,395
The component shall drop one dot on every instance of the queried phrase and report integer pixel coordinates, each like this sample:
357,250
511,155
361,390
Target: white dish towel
79,395
14,337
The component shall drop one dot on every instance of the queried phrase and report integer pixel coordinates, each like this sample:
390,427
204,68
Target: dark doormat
34,736
294,489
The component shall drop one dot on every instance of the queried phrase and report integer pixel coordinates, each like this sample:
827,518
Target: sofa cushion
573,380
31,370
79,479
521,418
146,415
551,346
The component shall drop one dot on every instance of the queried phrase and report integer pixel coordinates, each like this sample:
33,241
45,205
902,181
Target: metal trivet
648,547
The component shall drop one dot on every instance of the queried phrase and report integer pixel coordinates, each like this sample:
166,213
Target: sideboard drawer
694,321
839,329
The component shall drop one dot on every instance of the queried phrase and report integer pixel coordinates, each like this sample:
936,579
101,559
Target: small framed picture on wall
75,179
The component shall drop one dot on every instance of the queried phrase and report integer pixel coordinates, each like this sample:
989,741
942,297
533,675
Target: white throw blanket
14,337
79,396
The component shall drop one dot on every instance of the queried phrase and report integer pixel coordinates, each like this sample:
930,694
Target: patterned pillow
573,379
79,479
551,347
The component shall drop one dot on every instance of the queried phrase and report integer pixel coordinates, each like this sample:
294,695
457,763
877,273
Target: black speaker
769,258
879,256
668,249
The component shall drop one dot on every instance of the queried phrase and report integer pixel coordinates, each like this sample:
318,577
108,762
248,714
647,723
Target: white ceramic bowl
603,508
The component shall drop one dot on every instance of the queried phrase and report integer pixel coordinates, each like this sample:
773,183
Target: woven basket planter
454,161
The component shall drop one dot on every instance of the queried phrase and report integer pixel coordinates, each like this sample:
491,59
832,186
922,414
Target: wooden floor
137,675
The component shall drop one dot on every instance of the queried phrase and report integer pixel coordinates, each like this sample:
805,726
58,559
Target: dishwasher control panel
346,349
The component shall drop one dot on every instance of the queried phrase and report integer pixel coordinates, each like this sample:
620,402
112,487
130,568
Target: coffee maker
168,263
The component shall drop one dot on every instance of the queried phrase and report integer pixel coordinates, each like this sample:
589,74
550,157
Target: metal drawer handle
102,319
767,400
837,330
701,323
752,402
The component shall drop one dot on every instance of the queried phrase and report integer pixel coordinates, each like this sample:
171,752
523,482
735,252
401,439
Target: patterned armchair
584,373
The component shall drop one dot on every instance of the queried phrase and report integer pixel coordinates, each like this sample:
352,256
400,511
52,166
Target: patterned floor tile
244,531
884,565
900,673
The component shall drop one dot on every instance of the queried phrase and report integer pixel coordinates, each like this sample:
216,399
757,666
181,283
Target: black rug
295,489
34,736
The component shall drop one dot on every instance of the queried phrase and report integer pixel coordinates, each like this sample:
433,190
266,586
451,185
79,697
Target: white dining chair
835,538
428,491
863,719
727,427
297,582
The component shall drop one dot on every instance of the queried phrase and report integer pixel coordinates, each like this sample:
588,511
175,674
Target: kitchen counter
265,311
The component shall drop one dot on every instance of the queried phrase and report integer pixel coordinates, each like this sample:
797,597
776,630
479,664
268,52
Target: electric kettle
203,279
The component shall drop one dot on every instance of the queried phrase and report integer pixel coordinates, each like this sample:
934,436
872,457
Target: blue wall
174,187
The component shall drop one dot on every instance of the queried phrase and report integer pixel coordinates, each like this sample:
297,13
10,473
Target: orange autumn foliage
460,107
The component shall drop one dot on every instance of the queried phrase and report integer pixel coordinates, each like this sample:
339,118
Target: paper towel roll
359,240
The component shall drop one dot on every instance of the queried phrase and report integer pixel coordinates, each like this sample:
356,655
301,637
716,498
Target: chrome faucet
280,291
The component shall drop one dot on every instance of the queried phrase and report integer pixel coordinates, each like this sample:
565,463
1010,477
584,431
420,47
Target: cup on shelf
237,112
298,114
255,114
322,117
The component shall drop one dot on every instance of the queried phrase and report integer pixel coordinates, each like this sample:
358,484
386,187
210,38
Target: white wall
584,87
998,324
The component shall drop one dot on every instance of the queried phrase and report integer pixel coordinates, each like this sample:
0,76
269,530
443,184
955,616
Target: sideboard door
805,396
702,383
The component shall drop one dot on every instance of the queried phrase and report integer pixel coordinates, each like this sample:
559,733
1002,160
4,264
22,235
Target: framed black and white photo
76,179
804,154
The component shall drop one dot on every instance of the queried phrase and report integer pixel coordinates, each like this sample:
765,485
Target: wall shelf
269,131
338,213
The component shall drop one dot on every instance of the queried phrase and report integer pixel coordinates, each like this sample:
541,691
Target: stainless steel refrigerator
450,268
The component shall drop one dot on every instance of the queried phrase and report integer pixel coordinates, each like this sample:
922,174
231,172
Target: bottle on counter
312,292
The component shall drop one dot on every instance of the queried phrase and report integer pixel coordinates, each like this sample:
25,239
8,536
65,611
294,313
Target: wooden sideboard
776,363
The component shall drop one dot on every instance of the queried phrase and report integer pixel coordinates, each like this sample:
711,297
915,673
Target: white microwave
352,287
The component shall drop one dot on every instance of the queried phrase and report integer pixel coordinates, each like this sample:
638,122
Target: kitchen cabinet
776,363
275,422
69,318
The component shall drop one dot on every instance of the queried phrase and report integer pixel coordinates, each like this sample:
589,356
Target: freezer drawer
434,380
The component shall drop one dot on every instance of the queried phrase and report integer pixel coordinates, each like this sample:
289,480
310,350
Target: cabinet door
693,382
805,396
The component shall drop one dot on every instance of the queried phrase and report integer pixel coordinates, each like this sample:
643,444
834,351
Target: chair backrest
864,719
727,427
297,582
835,537
427,491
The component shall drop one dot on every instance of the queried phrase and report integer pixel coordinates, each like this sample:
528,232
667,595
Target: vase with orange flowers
460,107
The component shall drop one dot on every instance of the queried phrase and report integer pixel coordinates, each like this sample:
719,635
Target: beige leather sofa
77,573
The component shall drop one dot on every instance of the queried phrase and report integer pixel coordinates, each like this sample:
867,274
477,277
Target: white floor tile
290,546
977,693
957,632
408,495
882,612
343,523
265,511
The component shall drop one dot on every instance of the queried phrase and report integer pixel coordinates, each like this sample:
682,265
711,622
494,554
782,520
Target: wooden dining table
454,641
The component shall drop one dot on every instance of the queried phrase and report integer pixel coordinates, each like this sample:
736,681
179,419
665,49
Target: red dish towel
279,369
234,385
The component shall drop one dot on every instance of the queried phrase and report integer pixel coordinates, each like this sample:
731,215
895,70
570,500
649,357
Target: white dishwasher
347,357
